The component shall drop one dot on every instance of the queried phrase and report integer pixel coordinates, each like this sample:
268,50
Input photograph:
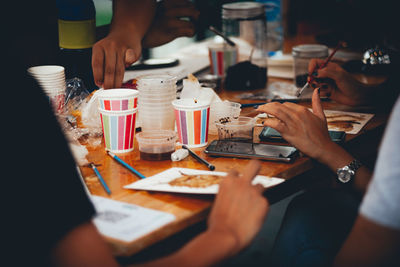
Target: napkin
193,90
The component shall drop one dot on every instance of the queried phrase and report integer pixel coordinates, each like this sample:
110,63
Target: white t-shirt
381,203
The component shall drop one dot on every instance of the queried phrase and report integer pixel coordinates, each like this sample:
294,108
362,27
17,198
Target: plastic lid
156,79
242,10
156,137
310,50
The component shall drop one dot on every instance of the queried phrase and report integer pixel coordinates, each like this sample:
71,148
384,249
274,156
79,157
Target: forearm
205,250
336,157
134,16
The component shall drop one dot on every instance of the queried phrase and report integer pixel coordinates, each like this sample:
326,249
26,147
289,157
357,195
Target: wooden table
188,209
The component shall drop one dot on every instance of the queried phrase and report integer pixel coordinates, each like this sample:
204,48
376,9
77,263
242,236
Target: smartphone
242,149
271,135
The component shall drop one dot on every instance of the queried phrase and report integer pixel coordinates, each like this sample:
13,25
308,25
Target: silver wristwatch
347,173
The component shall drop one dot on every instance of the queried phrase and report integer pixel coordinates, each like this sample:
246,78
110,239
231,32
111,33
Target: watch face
344,176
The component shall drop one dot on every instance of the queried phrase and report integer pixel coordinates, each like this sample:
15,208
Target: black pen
281,100
209,165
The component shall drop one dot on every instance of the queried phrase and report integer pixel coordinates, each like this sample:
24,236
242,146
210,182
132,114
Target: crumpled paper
192,90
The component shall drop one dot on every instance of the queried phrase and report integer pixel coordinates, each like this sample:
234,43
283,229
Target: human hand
305,130
239,208
169,23
112,54
344,89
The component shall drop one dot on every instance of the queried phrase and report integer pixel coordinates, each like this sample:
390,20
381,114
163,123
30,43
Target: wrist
225,240
334,156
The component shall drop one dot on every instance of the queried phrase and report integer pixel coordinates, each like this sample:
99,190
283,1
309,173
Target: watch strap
355,165
350,169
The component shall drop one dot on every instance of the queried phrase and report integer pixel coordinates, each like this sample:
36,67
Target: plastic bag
80,120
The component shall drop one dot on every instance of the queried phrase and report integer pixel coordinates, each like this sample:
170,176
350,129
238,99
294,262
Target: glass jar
302,54
246,21
245,24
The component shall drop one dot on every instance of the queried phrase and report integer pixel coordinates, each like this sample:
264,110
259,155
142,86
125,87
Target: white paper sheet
127,222
342,121
160,182
349,122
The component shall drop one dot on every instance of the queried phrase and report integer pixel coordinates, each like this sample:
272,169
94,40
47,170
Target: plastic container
156,145
302,54
246,21
222,110
236,129
154,80
156,92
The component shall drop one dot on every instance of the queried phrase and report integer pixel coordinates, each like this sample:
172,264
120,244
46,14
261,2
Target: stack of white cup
52,80
156,93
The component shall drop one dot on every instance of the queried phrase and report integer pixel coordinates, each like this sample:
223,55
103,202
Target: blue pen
126,165
103,183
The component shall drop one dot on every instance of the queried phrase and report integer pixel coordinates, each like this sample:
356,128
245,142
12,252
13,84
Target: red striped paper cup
222,56
118,99
192,119
118,129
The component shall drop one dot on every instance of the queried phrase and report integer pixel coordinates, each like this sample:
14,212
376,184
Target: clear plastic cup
222,110
157,100
236,129
156,108
155,104
156,144
159,95
165,122
152,80
157,117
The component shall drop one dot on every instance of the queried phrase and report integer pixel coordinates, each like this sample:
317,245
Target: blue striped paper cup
192,121
118,99
118,130
222,56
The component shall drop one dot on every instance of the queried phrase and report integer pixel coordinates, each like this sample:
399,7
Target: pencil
126,165
209,165
320,67
103,183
